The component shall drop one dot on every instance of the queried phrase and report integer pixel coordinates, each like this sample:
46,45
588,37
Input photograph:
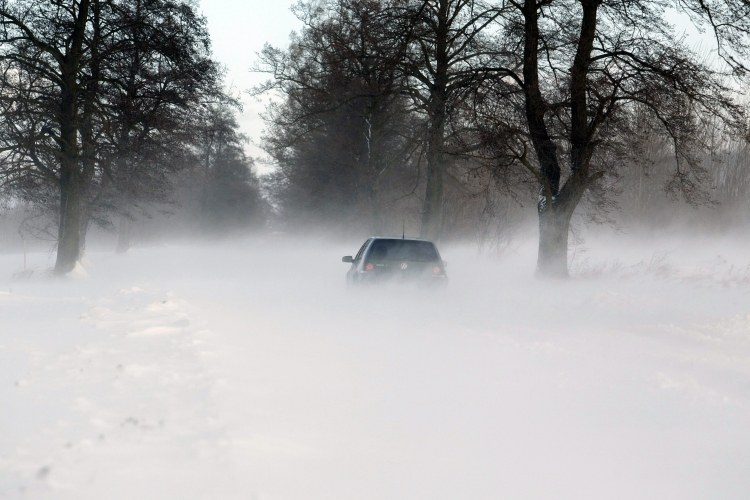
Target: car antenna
403,232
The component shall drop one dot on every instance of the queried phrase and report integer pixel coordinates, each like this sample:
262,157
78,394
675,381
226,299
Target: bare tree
577,75
229,197
43,48
343,125
448,54
160,84
97,97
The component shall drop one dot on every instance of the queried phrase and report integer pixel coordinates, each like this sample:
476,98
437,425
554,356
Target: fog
245,369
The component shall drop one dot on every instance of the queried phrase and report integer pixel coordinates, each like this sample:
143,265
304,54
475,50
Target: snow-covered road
246,371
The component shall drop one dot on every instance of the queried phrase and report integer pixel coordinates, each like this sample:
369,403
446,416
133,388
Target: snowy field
247,372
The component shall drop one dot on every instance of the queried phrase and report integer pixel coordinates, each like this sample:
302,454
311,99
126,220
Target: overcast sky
239,28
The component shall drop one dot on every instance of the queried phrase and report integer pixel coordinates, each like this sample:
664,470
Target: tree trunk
556,207
85,225
124,235
69,230
554,226
377,213
88,145
554,216
375,170
432,211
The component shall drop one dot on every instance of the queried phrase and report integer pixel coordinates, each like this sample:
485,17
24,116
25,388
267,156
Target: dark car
400,260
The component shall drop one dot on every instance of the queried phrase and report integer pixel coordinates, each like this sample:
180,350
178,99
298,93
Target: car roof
396,238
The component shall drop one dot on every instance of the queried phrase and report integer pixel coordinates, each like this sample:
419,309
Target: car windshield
408,250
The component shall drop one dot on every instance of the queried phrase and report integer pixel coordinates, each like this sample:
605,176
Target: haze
176,321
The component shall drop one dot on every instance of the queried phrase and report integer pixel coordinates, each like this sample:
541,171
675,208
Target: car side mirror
348,259
445,264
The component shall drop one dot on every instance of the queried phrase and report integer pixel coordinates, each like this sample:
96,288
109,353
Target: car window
409,250
361,251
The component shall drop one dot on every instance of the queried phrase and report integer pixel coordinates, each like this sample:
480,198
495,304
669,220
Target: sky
239,29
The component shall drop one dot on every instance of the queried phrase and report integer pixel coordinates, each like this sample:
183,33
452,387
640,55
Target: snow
78,272
247,371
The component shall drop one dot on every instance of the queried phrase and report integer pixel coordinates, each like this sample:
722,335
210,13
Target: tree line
435,109
440,115
107,106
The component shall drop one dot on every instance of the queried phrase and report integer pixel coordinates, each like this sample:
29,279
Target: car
397,260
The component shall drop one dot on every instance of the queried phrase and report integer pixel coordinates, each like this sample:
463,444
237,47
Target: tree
229,195
448,54
159,84
43,48
344,124
95,93
576,76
